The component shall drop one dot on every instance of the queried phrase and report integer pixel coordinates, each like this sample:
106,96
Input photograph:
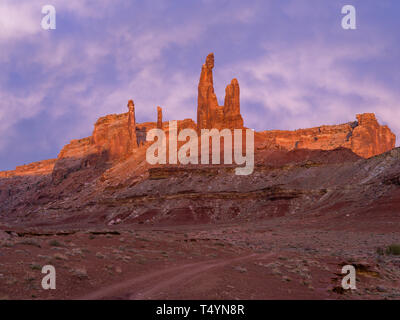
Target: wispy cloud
18,19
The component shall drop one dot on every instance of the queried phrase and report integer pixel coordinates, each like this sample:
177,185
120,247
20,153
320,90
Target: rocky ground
278,258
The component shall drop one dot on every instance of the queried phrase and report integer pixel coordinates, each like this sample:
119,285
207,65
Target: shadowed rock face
209,114
283,183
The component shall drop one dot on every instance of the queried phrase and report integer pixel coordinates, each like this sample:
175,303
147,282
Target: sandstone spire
209,114
232,116
132,125
159,118
207,100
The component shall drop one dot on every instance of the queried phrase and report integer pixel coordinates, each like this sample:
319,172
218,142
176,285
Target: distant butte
365,137
116,137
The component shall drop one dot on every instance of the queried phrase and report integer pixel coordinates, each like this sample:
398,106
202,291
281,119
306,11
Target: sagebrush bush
393,249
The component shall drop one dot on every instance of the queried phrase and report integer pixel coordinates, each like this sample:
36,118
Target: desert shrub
35,266
55,243
30,242
393,249
380,251
7,244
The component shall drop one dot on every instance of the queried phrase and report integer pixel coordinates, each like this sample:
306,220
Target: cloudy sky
297,67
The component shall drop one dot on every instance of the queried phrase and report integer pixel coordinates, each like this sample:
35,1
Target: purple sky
295,64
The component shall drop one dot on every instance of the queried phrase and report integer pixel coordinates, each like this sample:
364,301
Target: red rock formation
206,100
131,127
78,148
114,138
35,168
159,118
209,114
369,138
113,135
232,117
364,137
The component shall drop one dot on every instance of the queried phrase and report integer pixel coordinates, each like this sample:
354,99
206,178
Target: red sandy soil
278,258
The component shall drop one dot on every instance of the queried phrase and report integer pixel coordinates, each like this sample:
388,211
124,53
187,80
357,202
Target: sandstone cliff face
369,138
114,136
365,137
78,148
114,139
35,168
209,114
111,135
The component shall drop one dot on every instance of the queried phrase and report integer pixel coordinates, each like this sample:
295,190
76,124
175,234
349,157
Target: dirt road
146,286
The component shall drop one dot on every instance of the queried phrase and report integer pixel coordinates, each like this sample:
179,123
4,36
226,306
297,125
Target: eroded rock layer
34,168
365,137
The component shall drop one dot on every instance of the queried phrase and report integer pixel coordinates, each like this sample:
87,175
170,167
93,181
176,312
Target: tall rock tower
232,117
207,102
159,118
132,126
